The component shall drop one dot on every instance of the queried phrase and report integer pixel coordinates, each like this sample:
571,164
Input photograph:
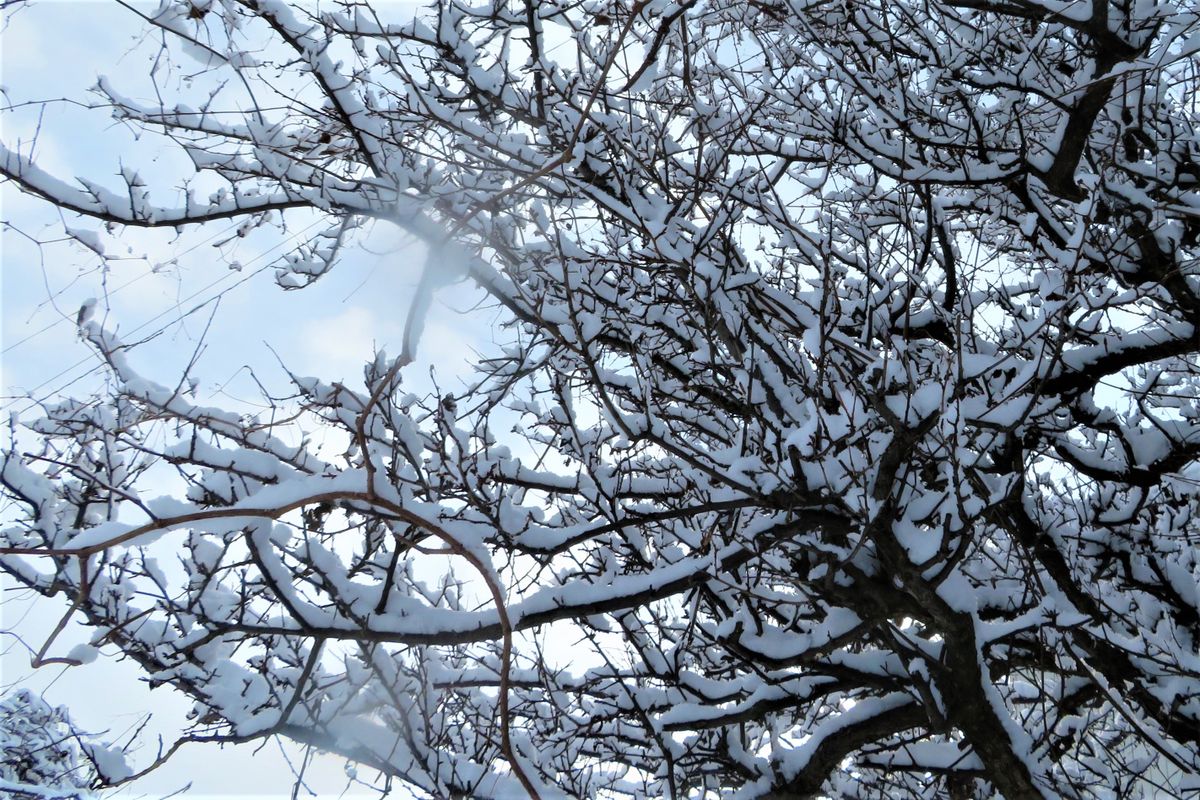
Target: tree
856,345
43,756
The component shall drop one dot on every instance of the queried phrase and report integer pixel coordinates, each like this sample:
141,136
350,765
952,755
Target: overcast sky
152,283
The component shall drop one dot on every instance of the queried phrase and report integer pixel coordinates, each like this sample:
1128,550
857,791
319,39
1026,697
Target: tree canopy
44,757
843,442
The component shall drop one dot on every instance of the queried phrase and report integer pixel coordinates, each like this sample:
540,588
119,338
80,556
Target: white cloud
337,346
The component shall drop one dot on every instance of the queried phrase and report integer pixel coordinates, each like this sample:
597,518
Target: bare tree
858,344
43,756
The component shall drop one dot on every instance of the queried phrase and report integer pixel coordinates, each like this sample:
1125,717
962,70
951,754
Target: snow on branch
841,440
